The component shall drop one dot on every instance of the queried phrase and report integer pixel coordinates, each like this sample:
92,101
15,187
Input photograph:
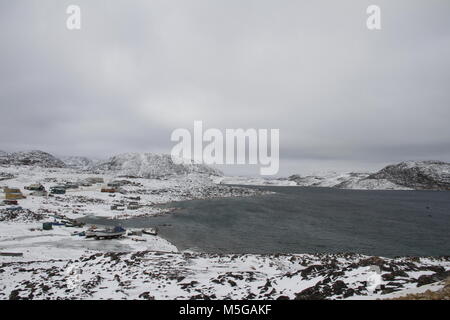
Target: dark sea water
311,220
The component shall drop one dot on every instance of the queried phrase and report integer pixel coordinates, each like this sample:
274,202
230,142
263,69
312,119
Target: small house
13,194
94,180
114,184
133,205
117,207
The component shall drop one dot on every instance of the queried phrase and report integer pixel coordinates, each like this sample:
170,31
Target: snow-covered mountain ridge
408,175
151,165
426,175
140,165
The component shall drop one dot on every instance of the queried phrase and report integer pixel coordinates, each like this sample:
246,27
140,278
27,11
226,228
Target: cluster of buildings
115,187
12,195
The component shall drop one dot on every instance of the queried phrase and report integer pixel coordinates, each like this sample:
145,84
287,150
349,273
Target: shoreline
58,264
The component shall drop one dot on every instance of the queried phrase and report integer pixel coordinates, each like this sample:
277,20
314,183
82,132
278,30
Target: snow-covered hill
31,158
150,165
417,175
429,175
143,165
352,180
370,184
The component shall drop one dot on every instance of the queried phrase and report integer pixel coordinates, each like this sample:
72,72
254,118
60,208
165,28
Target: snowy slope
328,179
370,184
78,162
356,181
430,175
150,165
352,180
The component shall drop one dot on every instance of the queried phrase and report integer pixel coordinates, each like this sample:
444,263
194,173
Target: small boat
111,233
150,231
79,234
73,224
135,233
91,233
14,208
11,254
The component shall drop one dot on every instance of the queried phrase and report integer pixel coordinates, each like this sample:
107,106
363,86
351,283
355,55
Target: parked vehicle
39,193
11,202
57,190
14,208
94,180
35,187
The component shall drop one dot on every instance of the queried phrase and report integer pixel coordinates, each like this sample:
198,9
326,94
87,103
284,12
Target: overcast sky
343,97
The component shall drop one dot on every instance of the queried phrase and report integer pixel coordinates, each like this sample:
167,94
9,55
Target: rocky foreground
158,275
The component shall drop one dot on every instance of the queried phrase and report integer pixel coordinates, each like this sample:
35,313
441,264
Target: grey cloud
342,96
